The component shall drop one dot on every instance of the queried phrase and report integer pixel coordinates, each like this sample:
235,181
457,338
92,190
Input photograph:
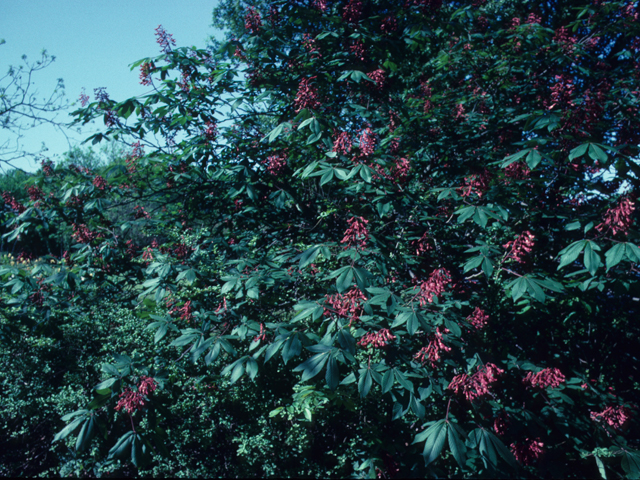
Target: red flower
342,143
616,417
307,96
164,39
357,233
521,246
276,164
618,218
145,73
549,377
130,401
432,351
434,286
147,385
367,142
476,385
528,451
353,11
478,319
99,182
252,21
378,339
347,305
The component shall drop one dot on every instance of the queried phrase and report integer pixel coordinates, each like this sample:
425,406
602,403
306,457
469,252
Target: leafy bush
386,239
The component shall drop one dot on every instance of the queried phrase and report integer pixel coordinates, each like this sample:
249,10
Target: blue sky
94,43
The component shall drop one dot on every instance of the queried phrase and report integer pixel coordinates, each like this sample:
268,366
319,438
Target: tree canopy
358,238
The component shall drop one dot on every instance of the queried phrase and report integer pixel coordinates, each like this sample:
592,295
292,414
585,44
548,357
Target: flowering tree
408,226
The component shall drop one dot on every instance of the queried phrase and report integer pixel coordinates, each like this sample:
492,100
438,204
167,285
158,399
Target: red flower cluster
99,182
357,233
252,21
618,218
562,92
422,245
211,131
147,385
389,24
517,171
35,193
347,305
307,96
379,77
82,234
310,45
140,212
528,451
434,286
401,170
476,183
432,352
367,142
320,5
533,18
616,417
342,143
476,385
182,251
276,164
478,319
501,423
164,39
130,401
186,312
565,40
549,377
353,11
521,246
359,50
47,165
147,254
262,336
378,339
145,73
84,98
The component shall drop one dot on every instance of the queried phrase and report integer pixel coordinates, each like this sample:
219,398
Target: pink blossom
476,385
501,423
84,98
422,245
533,18
320,5
547,378
82,234
367,142
276,164
528,451
476,183
357,233
478,319
389,24
517,171
252,21
616,417
147,385
618,218
347,305
310,45
211,131
359,50
99,182
307,96
378,339
130,401
434,286
342,143
140,212
164,39
353,11
379,77
145,73
401,170
433,350
521,246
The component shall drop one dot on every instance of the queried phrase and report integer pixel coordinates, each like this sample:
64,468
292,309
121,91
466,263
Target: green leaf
64,433
518,288
514,158
86,434
312,366
615,255
591,259
365,382
533,159
387,381
434,438
332,377
122,447
601,469
345,280
631,463
597,153
578,151
570,254
456,445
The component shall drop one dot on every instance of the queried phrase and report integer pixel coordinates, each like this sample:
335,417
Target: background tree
402,243
21,108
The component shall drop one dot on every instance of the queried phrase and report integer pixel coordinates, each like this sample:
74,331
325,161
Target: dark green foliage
367,239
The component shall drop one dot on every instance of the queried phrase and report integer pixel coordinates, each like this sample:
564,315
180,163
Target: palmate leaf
434,438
